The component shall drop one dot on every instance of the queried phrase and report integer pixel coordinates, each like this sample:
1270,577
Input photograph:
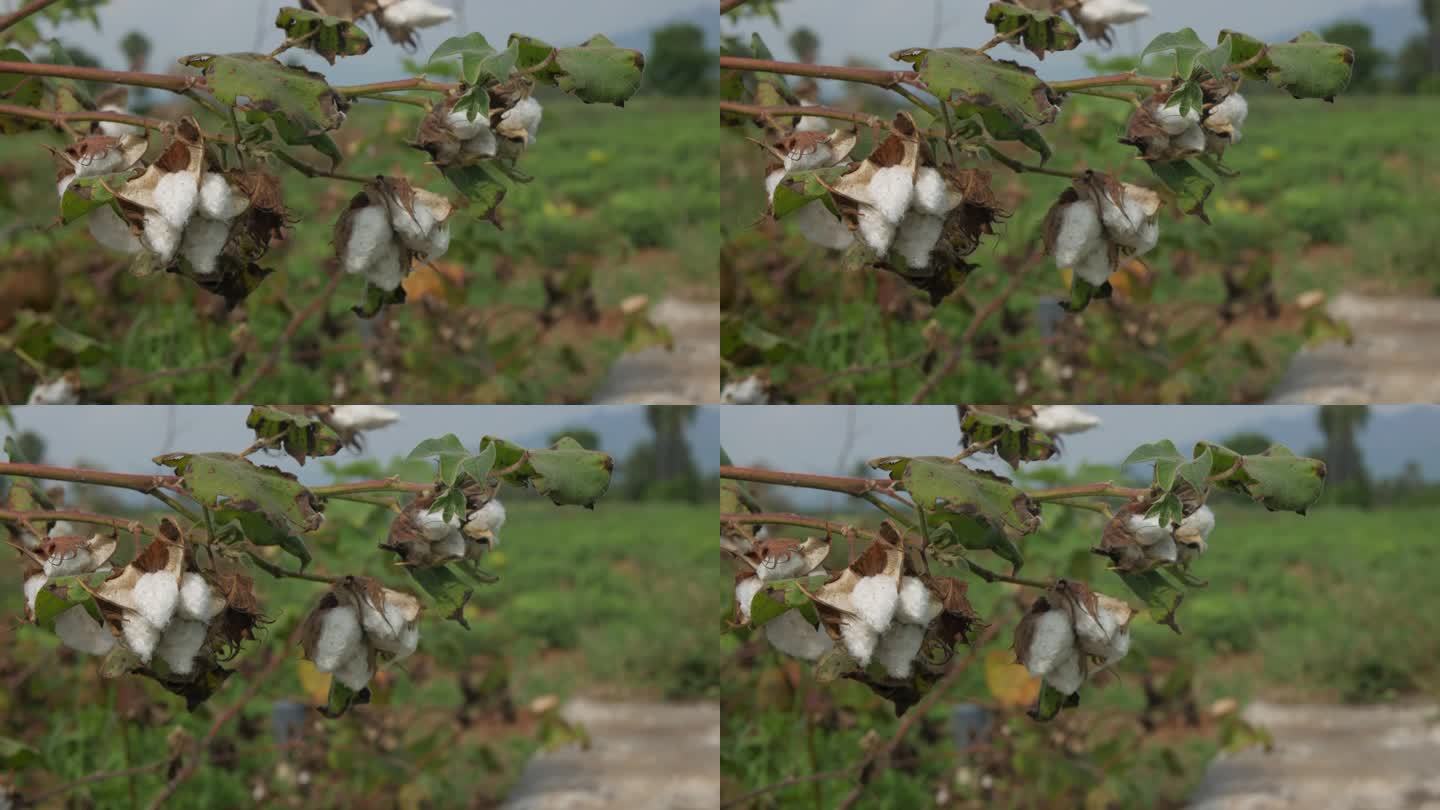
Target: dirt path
689,374
643,756
1392,359
1332,758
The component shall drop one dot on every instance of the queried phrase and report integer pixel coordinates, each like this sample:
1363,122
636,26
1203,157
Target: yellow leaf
1010,683
315,683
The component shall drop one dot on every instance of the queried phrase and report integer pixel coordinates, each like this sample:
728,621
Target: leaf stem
995,576
374,485
416,83
284,573
1129,78
313,172
859,75
1025,168
61,118
1104,489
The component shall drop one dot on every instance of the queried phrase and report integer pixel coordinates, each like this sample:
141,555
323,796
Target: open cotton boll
1065,677
820,227
219,200
363,417
1079,233
818,156
1147,530
438,243
483,144
110,160
875,599
160,237
1105,631
339,638
749,391
157,595
465,128
198,601
116,129
812,123
203,242
1123,220
177,195
784,566
1094,266
451,545
1170,119
60,391
1229,116
792,634
1112,12
772,182
77,561
383,624
354,671
1191,140
387,270
1164,551
898,647
917,605
180,643
860,639
1196,529
63,184
32,588
79,631
933,195
110,230
916,237
416,14
877,231
1052,641
369,234
434,525
526,113
140,635
745,591
892,189
413,224
1064,419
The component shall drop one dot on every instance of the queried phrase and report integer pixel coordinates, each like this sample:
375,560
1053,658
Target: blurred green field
622,204
611,603
1330,197
1333,607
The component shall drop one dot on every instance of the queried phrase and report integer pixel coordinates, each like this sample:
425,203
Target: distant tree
136,47
1344,464
1248,443
587,438
1413,73
1430,10
679,64
672,450
1370,60
30,447
804,44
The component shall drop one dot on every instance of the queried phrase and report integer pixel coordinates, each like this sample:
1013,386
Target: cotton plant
427,534
1169,127
1098,222
1136,541
806,150
454,134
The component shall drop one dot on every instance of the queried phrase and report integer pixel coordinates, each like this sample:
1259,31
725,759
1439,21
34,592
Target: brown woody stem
160,81
1128,79
760,111
858,487
59,118
788,519
877,77
139,483
377,485
1104,489
24,11
132,526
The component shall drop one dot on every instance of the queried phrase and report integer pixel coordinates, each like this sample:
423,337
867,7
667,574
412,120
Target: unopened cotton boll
354,671
933,195
877,231
198,601
339,637
1064,419
1051,642
180,643
157,595
140,635
416,14
860,639
526,113
916,238
203,242
1170,119
1066,677
363,417
369,234
875,599
792,634
820,227
79,631
160,237
917,605
1112,12
219,200
177,195
892,189
745,591
435,526
1079,233
898,647
111,231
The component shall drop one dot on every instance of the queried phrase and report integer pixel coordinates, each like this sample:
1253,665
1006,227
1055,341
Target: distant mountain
703,17
1393,23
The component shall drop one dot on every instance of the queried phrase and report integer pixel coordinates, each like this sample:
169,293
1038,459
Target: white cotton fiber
157,595
1191,140
203,242
793,635
488,518
160,237
177,195
892,188
387,269
1104,632
76,561
79,631
1095,266
1147,530
811,123
1200,523
1229,114
1064,419
338,639
180,644
820,227
1112,12
140,635
110,230
439,241
875,599
1169,118
916,238
115,129
917,605
414,224
860,640
369,234
1164,551
783,566
1053,639
772,182
416,14
198,601
434,526
749,391
383,624
1078,235
59,391
1122,221
32,588
464,128
817,156
219,200
110,160
363,417
898,647
482,145
1065,677
877,231
451,545
745,591
354,671
525,113
933,195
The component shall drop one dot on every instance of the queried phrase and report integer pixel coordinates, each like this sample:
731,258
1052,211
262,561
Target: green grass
1337,606
617,602
621,204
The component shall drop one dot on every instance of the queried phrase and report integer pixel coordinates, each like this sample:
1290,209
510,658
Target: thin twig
159,81
288,335
1104,489
79,782
312,172
995,576
844,73
78,475
788,519
280,572
761,111
90,518
1130,78
62,118
830,483
375,485
24,11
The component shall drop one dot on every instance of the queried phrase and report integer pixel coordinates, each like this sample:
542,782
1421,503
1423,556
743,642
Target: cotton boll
482,145
354,671
1164,551
1194,531
180,643
1065,677
176,197
387,270
338,639
745,591
898,647
111,231
1105,631
384,625
820,227
1079,233
464,127
413,225
116,129
860,639
784,566
369,234
203,242
363,417
877,231
1052,641
416,14
892,188
110,160
1064,419
157,595
917,236
749,391
32,588
818,156
1173,122
526,113
77,630
811,123
1095,266
1112,12
1147,530
772,182
76,561
198,601
1123,220
160,237
793,635
438,243
933,195
63,185
434,525
490,517
1146,238
140,635
1229,116
60,391
219,200
451,545
875,599
917,604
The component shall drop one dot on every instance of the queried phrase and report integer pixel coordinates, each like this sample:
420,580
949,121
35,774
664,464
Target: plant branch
375,485
280,572
14,18
995,576
874,500
1026,168
61,118
1105,489
312,172
159,81
858,487
105,776
859,75
1129,78
417,83
760,111
288,335
731,5
19,516
138,483
788,519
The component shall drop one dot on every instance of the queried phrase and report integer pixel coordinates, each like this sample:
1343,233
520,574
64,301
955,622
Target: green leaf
481,184
342,698
597,70
1185,44
53,344
765,608
1197,470
19,90
741,336
1277,479
325,35
448,452
377,299
1082,293
1015,441
17,756
1191,187
254,82
1050,701
480,63
812,186
1040,31
445,590
256,528
566,473
1217,59
1008,97
85,194
297,434
1167,460
1158,593
478,467
1310,67
224,480
1246,49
